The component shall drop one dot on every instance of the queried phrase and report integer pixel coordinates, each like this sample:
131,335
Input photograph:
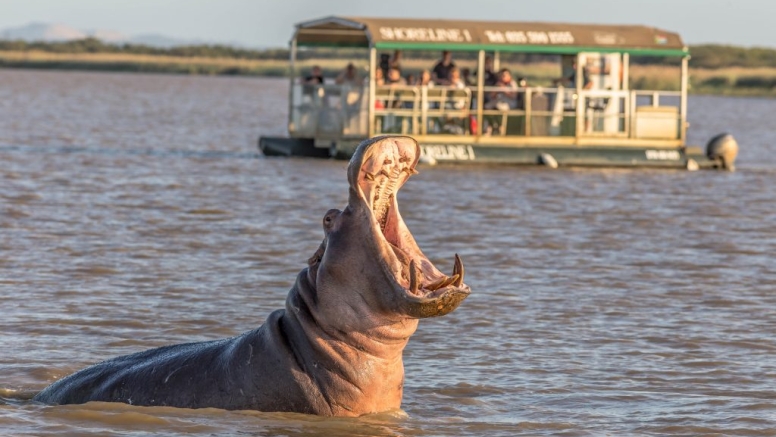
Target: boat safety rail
328,110
335,111
397,107
657,114
422,110
528,111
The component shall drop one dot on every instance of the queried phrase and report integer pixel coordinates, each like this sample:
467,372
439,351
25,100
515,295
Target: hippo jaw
376,172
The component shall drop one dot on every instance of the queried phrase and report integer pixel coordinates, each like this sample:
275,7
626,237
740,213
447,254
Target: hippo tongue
376,173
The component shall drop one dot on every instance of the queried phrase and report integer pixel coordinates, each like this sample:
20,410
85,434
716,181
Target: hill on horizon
57,32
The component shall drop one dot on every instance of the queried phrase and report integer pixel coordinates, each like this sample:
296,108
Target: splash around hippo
336,348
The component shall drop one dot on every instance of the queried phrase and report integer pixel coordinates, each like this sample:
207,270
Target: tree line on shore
711,56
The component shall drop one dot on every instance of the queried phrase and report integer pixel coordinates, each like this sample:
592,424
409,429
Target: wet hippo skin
336,348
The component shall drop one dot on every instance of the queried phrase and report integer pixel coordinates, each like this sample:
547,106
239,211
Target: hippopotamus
336,348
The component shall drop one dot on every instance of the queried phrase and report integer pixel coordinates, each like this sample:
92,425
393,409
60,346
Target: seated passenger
571,80
425,79
315,77
379,77
505,97
457,83
352,90
348,76
311,89
385,63
441,72
468,79
395,79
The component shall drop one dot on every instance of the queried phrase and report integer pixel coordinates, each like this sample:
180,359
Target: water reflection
134,213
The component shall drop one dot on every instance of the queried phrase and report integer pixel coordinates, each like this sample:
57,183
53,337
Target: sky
267,23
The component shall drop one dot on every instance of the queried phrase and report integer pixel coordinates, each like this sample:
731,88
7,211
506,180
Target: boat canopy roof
524,37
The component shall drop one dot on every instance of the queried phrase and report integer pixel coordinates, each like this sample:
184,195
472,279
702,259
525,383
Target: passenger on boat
311,89
491,77
571,80
352,90
466,76
394,79
505,97
425,79
385,63
348,76
441,71
455,100
315,77
456,82
379,77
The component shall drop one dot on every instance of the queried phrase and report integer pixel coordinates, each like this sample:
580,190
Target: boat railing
528,111
397,109
422,110
603,113
656,114
328,111
336,111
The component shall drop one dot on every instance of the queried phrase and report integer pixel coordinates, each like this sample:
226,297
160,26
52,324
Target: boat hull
284,146
560,155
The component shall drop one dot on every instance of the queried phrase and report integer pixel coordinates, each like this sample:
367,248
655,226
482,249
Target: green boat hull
551,156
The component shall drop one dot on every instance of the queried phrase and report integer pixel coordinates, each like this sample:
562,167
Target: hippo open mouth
376,175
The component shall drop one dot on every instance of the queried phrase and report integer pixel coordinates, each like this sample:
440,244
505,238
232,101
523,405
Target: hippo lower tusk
458,270
414,280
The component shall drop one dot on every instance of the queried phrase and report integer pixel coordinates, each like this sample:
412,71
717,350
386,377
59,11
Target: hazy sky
269,23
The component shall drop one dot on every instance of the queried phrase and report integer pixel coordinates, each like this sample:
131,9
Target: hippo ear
422,308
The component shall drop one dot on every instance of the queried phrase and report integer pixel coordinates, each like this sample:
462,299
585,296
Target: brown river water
136,212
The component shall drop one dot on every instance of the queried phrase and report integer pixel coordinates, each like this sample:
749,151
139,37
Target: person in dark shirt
315,77
571,80
491,77
385,63
395,61
441,71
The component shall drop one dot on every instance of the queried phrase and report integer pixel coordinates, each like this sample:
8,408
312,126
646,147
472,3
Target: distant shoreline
740,81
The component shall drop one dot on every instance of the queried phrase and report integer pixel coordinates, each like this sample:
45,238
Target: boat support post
291,78
371,108
480,93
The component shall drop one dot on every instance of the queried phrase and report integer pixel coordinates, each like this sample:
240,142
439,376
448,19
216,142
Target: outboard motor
723,149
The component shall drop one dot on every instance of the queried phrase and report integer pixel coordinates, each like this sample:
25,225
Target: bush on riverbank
715,69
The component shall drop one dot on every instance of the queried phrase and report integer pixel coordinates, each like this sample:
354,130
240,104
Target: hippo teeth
414,278
456,279
458,271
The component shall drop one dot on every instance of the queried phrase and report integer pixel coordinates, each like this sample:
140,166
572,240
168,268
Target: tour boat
588,116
